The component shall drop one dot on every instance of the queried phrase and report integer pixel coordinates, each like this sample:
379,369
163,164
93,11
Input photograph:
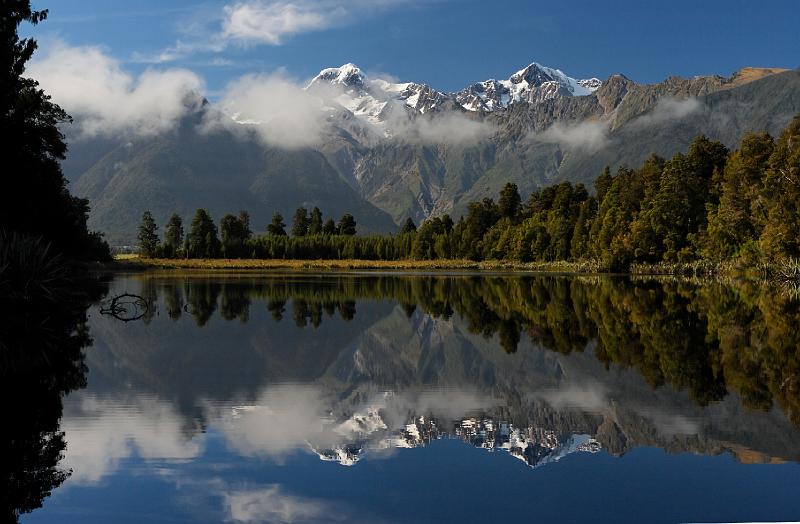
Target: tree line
235,239
706,204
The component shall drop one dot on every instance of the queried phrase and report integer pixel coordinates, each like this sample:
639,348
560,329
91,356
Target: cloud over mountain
276,108
588,136
105,99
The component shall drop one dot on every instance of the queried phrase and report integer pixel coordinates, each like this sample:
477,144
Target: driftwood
126,307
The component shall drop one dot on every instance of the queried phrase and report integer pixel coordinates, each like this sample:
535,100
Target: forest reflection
709,339
42,338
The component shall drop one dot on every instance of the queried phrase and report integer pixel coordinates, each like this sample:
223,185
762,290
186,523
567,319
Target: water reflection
41,359
708,339
352,368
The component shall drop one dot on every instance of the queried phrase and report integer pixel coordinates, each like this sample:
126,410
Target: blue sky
445,43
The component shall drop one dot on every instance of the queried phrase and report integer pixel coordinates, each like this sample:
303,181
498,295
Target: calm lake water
423,398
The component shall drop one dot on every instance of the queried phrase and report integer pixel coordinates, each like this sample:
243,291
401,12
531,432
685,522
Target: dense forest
707,204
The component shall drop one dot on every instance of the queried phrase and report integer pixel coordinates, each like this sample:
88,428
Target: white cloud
283,420
446,128
105,99
276,108
591,397
263,22
590,135
269,22
270,504
668,109
102,433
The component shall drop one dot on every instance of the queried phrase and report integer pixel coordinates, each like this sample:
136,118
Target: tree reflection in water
42,337
708,339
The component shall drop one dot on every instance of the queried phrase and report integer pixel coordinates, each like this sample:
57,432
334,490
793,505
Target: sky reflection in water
310,398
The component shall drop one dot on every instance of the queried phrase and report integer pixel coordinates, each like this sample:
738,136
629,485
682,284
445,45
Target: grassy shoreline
699,269
135,263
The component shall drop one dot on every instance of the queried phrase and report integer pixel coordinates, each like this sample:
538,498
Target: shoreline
255,265
700,269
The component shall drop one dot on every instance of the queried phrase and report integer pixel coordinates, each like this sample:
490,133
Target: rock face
533,84
395,150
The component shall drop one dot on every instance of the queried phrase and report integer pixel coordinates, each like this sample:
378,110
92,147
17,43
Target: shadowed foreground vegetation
43,304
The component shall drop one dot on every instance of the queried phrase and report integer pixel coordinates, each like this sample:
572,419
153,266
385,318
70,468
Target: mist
105,100
279,111
666,110
588,136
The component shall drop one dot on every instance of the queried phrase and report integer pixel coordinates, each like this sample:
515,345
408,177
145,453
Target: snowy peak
535,446
372,99
348,76
533,84
369,99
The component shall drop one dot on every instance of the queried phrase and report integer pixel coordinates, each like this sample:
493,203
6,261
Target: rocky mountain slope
391,150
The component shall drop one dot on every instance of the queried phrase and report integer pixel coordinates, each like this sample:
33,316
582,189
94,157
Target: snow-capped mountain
532,84
372,99
533,445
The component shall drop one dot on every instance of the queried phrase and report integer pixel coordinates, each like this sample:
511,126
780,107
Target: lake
364,397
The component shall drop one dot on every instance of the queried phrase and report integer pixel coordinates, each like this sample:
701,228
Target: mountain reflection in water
345,367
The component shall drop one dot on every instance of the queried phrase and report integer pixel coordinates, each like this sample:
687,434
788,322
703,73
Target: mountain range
385,150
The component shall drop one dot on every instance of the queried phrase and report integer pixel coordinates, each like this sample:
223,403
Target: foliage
202,240
300,223
35,200
346,225
235,232
277,227
706,206
173,236
148,236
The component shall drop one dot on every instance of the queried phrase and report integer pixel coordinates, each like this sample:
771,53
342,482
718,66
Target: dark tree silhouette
31,146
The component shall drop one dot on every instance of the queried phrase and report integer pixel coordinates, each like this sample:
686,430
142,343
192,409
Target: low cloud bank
441,128
668,109
589,136
279,111
106,100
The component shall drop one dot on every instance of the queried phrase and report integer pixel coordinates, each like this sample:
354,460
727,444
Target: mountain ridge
389,151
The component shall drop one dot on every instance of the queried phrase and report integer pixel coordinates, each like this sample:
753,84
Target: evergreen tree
738,220
202,240
315,222
447,223
277,226
148,236
31,147
602,184
300,223
347,225
329,228
408,227
780,238
234,233
244,220
173,235
510,202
